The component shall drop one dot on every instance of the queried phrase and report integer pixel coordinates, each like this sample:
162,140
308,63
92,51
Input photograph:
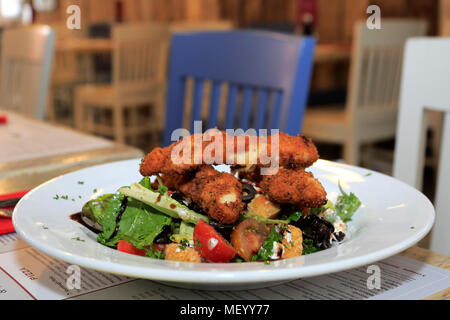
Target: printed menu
26,273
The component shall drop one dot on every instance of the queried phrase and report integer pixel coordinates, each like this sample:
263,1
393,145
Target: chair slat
214,104
276,113
261,111
197,102
246,108
231,106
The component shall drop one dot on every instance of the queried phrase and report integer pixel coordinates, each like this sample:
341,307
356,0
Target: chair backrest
65,62
139,56
376,67
425,81
267,77
27,55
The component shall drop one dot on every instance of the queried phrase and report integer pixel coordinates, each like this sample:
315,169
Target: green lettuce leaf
140,224
346,205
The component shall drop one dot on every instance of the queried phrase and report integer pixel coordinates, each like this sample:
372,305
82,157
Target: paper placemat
26,273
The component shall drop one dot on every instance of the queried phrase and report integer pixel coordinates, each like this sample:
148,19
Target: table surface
324,52
29,173
333,52
84,45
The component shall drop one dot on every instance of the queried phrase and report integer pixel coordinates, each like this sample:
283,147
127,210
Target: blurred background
110,78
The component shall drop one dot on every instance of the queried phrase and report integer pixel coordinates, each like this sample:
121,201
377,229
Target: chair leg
440,237
78,110
118,123
51,116
352,152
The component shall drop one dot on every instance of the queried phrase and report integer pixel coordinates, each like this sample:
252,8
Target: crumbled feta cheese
212,243
288,236
275,251
339,225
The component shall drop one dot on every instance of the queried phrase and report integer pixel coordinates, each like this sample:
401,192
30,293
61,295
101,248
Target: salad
188,213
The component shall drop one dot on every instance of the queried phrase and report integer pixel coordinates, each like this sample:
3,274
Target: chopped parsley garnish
162,189
95,191
80,182
56,197
369,174
183,244
236,259
78,239
155,254
308,246
346,205
266,251
198,244
44,227
65,197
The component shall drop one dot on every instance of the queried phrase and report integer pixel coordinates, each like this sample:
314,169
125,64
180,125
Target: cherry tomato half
211,245
248,237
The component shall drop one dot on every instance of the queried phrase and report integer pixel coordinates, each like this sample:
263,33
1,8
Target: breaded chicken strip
217,193
296,152
290,152
294,187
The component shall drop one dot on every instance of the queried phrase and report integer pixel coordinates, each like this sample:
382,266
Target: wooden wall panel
426,9
444,18
335,17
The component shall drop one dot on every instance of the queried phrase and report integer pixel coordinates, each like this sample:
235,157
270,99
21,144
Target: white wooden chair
27,54
139,72
425,81
371,110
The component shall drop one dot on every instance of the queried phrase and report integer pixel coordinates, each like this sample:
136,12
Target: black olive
317,229
248,192
164,236
178,196
339,236
224,229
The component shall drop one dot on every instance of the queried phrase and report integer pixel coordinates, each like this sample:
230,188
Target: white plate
394,216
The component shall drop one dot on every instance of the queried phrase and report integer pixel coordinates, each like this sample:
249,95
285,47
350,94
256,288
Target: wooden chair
267,77
425,79
211,25
139,66
371,110
67,72
27,54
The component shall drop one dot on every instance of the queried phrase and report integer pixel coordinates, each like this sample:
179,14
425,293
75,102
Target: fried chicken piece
296,152
294,187
192,152
217,193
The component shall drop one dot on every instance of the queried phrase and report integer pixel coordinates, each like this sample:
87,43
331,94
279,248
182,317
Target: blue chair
273,67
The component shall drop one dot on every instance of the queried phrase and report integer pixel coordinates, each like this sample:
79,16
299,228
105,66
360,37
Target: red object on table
3,119
6,225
